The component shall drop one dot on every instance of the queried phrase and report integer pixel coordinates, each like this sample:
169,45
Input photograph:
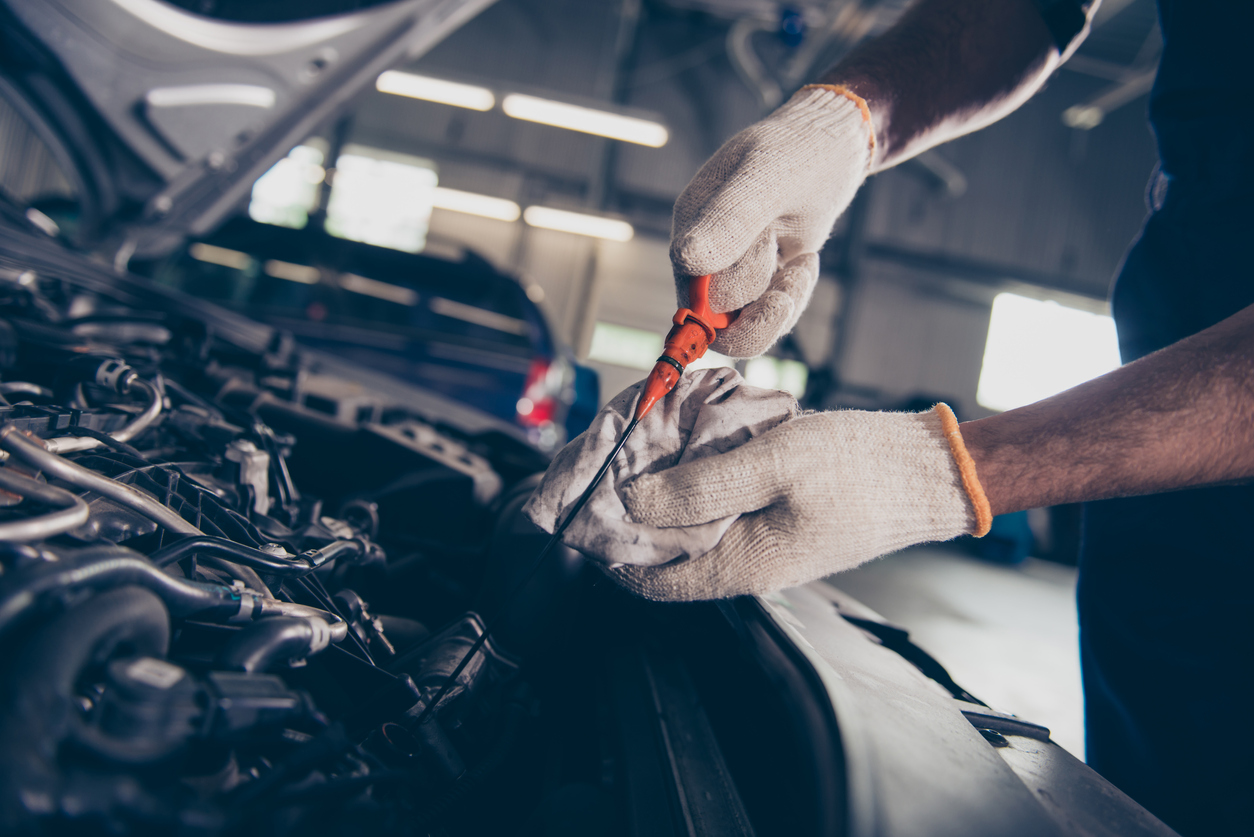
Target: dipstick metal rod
553,541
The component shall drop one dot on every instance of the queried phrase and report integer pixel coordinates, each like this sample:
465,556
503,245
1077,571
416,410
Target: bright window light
587,120
710,360
775,373
473,204
638,348
288,192
219,255
578,223
619,345
435,90
302,273
381,198
1036,349
379,290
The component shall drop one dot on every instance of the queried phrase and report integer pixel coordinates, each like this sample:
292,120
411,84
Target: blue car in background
461,328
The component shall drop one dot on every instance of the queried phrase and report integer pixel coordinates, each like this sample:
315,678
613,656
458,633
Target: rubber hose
71,511
230,550
296,565
278,639
106,567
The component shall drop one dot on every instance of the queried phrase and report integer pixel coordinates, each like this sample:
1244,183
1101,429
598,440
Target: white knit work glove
758,212
819,494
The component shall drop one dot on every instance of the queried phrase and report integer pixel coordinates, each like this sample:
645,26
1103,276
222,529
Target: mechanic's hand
819,494
760,209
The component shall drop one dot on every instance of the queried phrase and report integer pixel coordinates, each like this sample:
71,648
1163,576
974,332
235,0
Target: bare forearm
1182,417
946,68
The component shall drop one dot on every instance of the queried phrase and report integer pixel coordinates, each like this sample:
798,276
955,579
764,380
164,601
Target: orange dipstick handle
693,331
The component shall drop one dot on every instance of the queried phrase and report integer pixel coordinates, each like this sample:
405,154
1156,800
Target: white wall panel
905,343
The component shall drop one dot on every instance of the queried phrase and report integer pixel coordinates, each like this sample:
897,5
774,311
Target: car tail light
538,403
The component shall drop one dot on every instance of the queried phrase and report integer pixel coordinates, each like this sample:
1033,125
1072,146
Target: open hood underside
166,118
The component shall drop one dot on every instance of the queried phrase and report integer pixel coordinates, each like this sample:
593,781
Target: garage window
1038,348
378,197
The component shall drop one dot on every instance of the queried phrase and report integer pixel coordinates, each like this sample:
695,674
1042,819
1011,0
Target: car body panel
918,761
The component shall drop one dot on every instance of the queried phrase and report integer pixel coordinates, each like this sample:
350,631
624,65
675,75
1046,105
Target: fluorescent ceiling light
588,120
219,255
301,273
379,290
435,90
578,223
473,204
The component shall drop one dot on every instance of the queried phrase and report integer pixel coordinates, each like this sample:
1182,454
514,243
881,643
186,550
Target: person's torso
1191,267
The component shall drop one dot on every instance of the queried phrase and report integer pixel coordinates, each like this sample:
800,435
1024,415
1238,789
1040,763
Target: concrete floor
1006,634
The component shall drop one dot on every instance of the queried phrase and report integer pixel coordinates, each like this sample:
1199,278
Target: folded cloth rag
710,411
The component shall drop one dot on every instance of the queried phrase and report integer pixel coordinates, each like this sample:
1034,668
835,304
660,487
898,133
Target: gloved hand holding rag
726,489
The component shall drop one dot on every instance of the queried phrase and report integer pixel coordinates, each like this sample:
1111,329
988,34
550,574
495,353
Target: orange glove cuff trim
841,90
966,470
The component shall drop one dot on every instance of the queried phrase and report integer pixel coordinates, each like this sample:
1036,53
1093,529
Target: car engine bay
234,576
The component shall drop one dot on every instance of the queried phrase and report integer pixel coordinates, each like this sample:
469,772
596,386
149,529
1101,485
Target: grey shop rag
710,411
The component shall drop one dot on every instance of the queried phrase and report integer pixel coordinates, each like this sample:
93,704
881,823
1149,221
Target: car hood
163,119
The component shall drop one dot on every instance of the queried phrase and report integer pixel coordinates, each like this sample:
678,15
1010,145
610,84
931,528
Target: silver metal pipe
73,444
147,417
73,511
12,440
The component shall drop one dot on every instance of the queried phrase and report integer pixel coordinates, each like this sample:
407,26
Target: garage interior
1040,205
976,274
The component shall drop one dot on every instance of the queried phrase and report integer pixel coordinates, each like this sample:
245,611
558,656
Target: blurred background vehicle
458,327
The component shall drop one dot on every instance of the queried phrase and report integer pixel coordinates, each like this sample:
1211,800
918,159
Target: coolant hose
279,639
71,510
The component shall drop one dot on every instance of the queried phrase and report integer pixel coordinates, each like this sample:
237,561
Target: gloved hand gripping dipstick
694,329
692,334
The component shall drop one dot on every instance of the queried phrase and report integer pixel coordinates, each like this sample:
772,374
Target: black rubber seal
672,362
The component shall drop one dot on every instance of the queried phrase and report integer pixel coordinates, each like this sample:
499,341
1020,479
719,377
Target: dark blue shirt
1191,267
